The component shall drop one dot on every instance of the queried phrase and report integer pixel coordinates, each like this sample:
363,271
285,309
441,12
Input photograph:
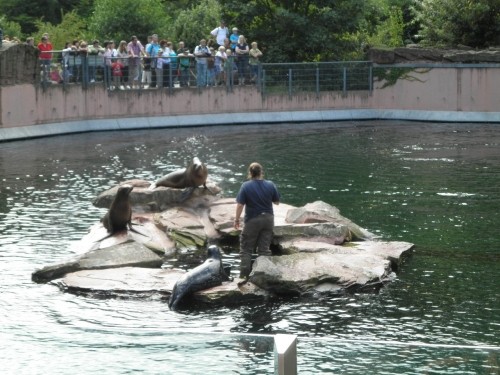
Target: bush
452,22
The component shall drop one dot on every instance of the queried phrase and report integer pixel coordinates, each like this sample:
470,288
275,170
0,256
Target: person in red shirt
117,71
45,56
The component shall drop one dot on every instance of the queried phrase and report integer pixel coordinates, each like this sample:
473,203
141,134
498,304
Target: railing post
285,354
170,83
263,84
317,82
344,83
259,73
370,78
1,37
85,72
290,83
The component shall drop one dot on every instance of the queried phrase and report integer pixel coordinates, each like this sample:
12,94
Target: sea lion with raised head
119,215
207,275
194,175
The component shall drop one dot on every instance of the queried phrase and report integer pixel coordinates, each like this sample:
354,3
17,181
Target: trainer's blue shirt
258,197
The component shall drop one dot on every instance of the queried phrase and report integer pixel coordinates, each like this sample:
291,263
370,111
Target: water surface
435,185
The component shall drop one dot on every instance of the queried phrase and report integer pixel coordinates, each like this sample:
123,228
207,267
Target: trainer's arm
239,210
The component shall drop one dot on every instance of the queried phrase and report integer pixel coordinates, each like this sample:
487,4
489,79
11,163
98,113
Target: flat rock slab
140,282
125,254
348,267
147,232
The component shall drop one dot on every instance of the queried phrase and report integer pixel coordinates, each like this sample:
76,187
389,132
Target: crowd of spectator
225,57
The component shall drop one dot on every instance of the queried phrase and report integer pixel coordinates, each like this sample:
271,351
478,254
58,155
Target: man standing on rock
257,195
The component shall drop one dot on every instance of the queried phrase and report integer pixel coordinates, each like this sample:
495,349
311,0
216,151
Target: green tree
390,32
298,30
28,12
475,23
120,19
195,23
71,27
10,28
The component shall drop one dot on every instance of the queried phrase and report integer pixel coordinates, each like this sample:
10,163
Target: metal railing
86,70
292,78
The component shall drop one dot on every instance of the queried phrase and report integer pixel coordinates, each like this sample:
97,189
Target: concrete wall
438,94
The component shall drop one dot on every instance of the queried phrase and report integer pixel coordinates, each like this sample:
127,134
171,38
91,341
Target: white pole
285,354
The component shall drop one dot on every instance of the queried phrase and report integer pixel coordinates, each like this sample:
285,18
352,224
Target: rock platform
315,250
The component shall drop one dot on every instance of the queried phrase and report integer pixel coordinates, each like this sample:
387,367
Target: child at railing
146,72
117,69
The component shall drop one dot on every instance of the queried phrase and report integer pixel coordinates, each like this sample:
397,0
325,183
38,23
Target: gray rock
311,230
147,282
158,199
413,55
341,267
321,212
122,255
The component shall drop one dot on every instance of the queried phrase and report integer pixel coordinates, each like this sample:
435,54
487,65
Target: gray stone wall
18,64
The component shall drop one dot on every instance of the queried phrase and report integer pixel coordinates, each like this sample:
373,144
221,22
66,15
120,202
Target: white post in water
285,354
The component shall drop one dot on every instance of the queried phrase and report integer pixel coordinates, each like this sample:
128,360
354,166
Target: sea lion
119,215
207,275
194,175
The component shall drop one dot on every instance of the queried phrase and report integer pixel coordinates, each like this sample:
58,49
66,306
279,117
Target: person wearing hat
234,38
220,33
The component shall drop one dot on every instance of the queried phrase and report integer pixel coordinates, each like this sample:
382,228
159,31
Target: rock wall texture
433,55
18,64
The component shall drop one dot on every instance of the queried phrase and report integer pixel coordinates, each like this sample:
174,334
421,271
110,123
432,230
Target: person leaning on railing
152,51
135,51
95,53
66,74
109,54
255,55
184,64
122,53
201,53
242,51
45,56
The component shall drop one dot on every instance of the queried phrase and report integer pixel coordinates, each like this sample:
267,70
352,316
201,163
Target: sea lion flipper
132,229
186,194
206,187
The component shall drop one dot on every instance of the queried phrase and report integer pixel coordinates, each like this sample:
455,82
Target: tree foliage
195,23
28,12
389,32
298,30
71,27
120,19
10,28
475,23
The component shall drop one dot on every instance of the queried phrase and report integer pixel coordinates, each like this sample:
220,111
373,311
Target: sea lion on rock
194,175
207,275
119,215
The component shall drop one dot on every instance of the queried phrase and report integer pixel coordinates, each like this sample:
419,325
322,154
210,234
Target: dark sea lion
207,275
194,175
119,215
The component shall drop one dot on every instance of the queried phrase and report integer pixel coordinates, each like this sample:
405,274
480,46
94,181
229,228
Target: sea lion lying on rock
207,275
194,175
